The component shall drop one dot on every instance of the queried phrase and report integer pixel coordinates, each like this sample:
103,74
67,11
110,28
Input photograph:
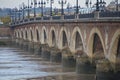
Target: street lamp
19,13
13,15
116,5
51,2
102,5
88,5
23,10
34,3
97,5
15,12
28,8
42,3
77,7
62,4
68,7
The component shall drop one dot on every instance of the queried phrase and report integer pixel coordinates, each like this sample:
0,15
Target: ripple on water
16,64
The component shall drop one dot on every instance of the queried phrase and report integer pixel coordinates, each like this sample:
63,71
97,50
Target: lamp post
97,5
15,12
88,5
28,8
34,3
62,5
102,5
116,5
51,2
19,13
68,7
23,10
42,3
13,15
77,7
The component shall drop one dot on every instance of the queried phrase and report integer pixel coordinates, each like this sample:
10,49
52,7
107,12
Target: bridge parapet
79,17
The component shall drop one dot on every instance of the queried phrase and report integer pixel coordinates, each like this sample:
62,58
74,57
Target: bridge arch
44,35
31,35
22,36
95,46
114,51
52,37
63,38
37,35
77,40
15,34
18,34
26,34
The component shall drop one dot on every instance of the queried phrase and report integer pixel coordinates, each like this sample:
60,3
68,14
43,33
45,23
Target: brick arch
31,32
37,34
26,33
22,34
52,37
29,35
73,39
18,33
44,35
91,39
61,37
15,34
113,47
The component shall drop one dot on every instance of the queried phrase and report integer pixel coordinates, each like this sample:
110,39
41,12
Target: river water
16,64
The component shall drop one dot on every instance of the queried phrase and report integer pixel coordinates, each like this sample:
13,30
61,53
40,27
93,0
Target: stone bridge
90,44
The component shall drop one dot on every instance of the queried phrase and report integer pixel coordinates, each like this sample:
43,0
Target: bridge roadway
90,45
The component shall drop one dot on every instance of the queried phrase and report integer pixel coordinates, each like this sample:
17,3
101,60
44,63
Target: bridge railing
69,17
89,15
56,17
102,15
110,14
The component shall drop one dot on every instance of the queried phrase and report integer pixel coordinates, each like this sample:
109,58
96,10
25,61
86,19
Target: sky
16,3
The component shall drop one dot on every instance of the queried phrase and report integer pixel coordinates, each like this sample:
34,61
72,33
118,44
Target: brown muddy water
16,64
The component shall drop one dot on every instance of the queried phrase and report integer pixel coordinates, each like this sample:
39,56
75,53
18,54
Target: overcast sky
16,3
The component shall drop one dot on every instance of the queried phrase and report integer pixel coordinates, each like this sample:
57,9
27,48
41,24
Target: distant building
4,12
112,6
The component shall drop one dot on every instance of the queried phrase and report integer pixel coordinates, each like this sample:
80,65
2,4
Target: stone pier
37,48
84,66
55,55
45,54
31,47
25,45
68,60
106,71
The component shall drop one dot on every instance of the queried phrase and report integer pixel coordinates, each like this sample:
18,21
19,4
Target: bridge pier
20,43
15,42
45,54
84,66
37,48
31,47
68,60
55,55
104,71
25,45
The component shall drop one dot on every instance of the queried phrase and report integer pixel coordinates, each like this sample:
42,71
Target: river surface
16,64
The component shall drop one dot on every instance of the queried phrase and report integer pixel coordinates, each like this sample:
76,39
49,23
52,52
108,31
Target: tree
5,20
